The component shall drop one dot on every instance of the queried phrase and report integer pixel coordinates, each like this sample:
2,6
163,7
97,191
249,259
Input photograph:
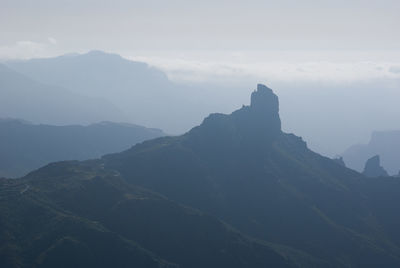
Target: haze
218,134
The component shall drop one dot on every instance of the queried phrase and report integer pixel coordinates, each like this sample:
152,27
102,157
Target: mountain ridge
26,98
210,164
286,205
27,146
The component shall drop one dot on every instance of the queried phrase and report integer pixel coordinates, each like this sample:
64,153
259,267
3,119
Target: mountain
373,168
72,214
23,97
25,146
386,144
143,93
95,73
235,191
244,170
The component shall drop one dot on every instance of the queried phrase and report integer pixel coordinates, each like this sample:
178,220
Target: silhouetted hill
25,146
23,97
386,144
94,73
373,168
235,191
142,92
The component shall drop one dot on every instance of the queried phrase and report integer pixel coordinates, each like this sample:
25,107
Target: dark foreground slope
72,214
243,169
25,146
233,192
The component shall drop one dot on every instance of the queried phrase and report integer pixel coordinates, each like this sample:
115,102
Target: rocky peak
264,99
373,168
262,116
250,126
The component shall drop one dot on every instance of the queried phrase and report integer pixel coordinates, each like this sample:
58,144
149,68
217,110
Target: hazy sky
121,25
199,39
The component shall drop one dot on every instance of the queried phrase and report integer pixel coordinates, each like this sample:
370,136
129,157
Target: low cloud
28,49
395,69
52,40
181,70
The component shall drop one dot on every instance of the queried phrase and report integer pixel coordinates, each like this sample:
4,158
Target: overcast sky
193,39
122,25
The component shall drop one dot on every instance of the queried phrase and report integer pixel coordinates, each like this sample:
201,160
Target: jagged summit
265,106
259,123
264,97
373,168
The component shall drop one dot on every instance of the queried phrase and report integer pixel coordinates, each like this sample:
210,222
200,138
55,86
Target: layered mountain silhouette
26,98
26,146
142,92
386,144
235,191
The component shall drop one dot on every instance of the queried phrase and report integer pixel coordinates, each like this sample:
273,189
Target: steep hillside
77,214
235,191
243,169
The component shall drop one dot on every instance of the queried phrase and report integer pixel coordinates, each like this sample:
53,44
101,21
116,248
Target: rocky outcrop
373,168
256,125
386,144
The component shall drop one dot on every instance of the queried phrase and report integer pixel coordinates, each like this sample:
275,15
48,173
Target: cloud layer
239,66
28,49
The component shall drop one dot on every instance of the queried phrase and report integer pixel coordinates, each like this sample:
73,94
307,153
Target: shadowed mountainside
235,191
72,214
243,169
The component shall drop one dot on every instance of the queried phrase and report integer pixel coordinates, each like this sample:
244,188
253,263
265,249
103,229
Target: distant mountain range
26,146
235,191
386,144
26,98
108,87
143,94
